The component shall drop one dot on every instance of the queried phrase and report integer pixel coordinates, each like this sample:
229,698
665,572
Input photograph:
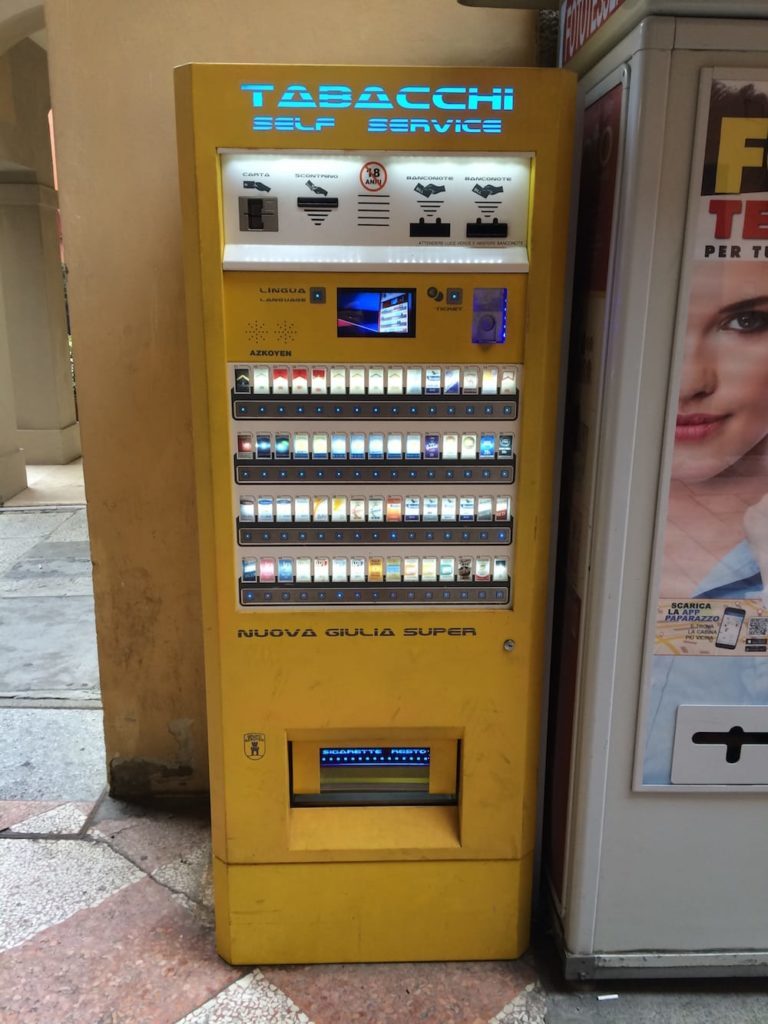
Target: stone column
13,475
35,324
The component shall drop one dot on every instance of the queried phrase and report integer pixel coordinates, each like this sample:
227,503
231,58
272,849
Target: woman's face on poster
723,403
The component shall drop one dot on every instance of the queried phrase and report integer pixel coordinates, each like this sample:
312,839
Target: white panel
699,760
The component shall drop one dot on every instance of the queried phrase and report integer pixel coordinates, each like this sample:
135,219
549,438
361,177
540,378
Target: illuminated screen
375,313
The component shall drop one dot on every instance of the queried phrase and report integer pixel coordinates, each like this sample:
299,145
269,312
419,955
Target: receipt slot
375,265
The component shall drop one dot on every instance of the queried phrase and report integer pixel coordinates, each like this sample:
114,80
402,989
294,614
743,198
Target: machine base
364,912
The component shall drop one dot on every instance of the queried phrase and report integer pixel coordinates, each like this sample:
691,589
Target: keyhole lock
509,645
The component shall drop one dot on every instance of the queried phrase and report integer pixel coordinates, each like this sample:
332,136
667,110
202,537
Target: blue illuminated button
375,595
431,474
241,410
286,595
503,535
467,474
484,535
264,474
321,595
394,474
356,409
507,410
337,409
265,535
319,410
319,474
262,410
482,595
448,535
375,535
446,595
339,595
464,595
451,410
376,474
486,474
412,474
302,534
357,475
488,410
394,410
411,535
338,474
244,474
268,596
358,596
283,475
393,595
429,535
499,594
465,535
376,410
249,595
449,474
301,474
428,595
303,596
470,410
432,410
299,410
411,595
247,535
339,535
321,534
504,474
393,535
281,408
357,535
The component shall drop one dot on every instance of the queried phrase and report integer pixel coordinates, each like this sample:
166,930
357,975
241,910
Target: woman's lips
697,426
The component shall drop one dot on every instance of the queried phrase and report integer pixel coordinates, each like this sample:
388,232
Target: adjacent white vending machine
658,765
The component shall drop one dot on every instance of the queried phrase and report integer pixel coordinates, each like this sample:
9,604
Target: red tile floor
105,918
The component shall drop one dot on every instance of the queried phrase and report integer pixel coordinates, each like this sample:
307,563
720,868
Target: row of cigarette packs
322,445
391,569
375,380
339,508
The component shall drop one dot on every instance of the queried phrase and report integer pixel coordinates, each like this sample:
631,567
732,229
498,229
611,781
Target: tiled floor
106,909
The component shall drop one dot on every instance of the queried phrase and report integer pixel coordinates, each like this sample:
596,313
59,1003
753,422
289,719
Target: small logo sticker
255,745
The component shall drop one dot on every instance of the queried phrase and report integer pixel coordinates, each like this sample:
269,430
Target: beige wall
25,150
111,80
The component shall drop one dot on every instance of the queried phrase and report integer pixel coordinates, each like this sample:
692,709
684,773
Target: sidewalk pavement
105,907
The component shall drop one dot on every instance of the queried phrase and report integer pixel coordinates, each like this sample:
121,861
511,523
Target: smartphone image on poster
282,446
245,446
508,383
394,569
375,380
263,446
299,380
452,380
247,509
357,446
302,508
464,567
429,509
279,380
431,446
506,443
375,510
283,510
428,569
448,508
265,509
242,380
412,508
394,446
482,570
433,380
470,381
469,446
322,569
266,570
319,446
395,380
730,627
338,446
484,509
320,508
466,508
394,509
301,446
338,380
375,446
339,570
487,446
303,570
413,380
339,508
261,380
447,569
450,446
285,570
249,570
500,570
413,446
375,570
319,380
502,509
357,510
411,569
490,384
357,380
357,570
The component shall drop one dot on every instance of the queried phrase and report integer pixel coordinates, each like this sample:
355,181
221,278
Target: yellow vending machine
375,266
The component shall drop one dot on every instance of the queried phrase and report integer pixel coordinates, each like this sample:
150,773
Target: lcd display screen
376,313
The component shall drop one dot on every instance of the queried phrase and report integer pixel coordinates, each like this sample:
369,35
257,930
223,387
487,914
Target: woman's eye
751,321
